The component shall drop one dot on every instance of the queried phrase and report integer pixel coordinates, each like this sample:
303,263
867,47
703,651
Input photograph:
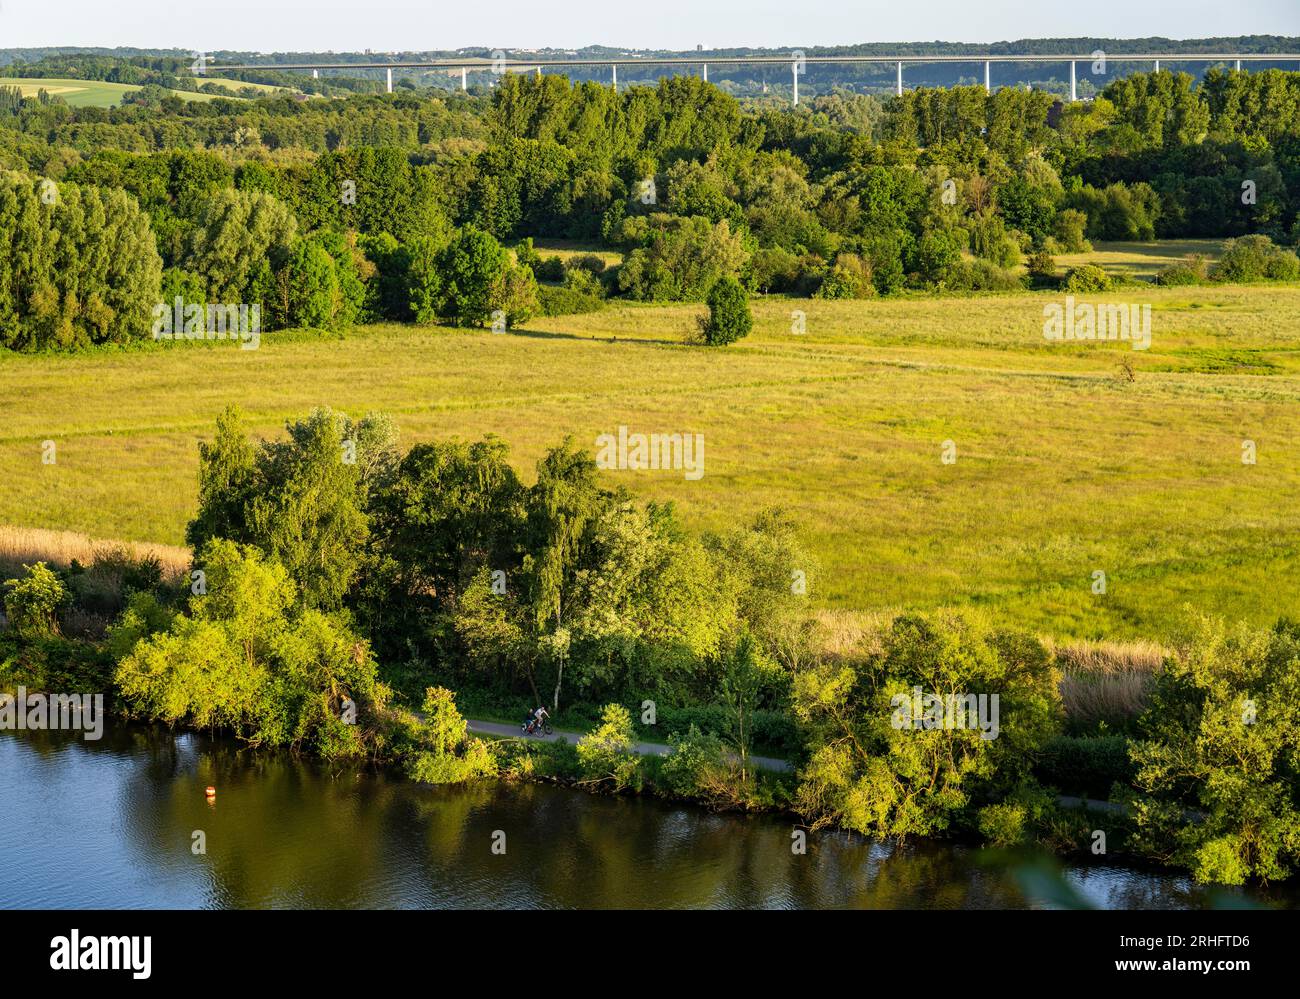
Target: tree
80,266
729,315
303,501
883,764
742,683
311,287
234,233
1220,738
243,658
227,483
679,259
561,509
424,279
472,268
453,756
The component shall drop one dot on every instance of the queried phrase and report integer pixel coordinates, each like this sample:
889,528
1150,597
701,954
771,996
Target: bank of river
112,824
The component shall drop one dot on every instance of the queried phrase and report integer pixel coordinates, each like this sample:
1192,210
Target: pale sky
415,25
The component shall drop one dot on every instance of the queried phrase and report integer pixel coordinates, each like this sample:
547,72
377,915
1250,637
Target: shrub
729,315
1087,278
695,759
561,301
588,262
1086,765
981,275
453,756
1255,258
32,604
774,269
550,269
583,281
1003,825
849,277
526,255
1180,274
1041,266
605,754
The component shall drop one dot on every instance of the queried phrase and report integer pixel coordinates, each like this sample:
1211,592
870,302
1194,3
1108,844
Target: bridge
797,61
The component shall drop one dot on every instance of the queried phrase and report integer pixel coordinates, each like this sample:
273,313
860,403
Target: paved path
642,748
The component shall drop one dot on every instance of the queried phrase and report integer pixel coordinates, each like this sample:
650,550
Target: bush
583,281
561,301
550,269
605,754
1086,765
1255,258
32,604
729,315
1177,276
453,756
588,262
849,277
774,269
1087,278
981,275
526,255
695,759
1042,266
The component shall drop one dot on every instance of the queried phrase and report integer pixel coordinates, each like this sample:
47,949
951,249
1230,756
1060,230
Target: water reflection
111,824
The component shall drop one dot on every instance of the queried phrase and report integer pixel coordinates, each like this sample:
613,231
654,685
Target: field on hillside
98,94
1064,467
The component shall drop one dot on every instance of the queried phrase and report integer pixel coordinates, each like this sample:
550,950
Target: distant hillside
741,79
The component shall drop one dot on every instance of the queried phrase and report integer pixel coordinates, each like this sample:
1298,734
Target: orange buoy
212,791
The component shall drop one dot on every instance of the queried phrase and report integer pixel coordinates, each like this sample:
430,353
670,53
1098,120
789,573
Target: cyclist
539,716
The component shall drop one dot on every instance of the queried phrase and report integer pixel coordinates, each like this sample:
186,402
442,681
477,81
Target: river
113,824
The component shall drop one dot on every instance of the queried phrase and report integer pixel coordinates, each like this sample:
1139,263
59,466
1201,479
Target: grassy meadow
1140,261
1065,464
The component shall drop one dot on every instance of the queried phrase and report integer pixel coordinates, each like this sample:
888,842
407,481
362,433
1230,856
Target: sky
414,25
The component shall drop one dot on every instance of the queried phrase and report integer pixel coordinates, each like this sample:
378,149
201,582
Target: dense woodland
328,212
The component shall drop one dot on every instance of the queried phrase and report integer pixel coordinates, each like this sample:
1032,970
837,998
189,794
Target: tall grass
1106,682
21,546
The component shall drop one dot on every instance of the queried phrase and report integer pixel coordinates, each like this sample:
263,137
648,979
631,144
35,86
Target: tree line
938,189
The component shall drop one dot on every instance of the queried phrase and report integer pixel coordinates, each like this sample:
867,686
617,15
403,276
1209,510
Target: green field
1140,260
1064,466
98,94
